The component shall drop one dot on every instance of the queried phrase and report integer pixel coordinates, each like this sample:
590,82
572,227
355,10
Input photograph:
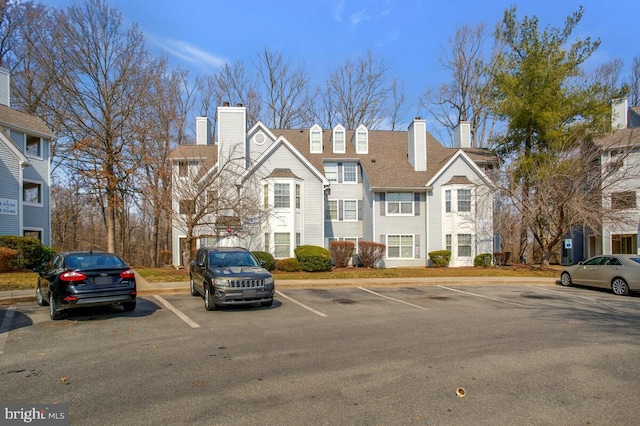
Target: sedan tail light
73,276
128,274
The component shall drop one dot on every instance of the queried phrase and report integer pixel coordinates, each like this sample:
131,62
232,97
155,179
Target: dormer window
339,144
362,140
316,139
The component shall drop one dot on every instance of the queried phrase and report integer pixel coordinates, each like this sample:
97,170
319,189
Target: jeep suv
226,276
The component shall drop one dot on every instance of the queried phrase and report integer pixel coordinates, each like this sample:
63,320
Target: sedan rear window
94,261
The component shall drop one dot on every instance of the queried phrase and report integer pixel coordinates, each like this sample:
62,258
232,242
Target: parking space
317,303
386,354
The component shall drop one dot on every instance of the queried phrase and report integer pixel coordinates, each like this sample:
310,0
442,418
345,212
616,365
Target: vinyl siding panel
10,189
312,212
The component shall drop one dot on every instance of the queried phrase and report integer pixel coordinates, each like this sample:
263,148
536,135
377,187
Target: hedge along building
313,186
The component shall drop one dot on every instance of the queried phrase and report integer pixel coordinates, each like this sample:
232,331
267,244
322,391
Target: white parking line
300,304
479,295
395,300
561,292
178,312
4,328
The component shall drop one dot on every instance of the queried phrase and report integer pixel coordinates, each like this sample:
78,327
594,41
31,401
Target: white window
339,145
464,200
316,139
332,210
399,203
187,207
212,201
355,243
464,245
447,244
281,196
297,196
350,171
265,195
33,233
298,239
32,192
34,146
400,246
282,245
183,168
350,210
331,171
447,201
267,242
362,140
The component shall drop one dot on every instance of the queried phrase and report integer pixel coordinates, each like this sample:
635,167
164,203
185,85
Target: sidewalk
146,288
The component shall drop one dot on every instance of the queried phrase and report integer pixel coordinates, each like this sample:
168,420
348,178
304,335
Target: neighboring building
25,207
620,149
400,188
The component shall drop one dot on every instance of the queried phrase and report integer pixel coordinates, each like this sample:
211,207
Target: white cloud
188,52
358,17
337,11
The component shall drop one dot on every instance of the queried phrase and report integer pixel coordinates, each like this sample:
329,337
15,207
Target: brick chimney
418,144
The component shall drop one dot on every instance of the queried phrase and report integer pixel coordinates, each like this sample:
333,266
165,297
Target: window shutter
359,172
383,205
416,203
416,251
359,209
382,239
339,172
340,207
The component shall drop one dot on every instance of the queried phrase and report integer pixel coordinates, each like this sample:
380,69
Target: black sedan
85,279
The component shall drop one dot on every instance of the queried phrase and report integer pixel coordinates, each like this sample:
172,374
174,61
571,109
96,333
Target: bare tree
102,81
398,104
233,84
286,91
213,200
160,127
359,93
467,95
609,76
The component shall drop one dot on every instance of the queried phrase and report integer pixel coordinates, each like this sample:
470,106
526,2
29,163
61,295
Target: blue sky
410,35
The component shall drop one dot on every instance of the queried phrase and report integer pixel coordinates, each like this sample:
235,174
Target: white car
619,272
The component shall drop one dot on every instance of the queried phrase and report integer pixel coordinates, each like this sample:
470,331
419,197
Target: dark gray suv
229,276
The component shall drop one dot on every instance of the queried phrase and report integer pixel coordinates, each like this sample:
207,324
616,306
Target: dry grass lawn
27,280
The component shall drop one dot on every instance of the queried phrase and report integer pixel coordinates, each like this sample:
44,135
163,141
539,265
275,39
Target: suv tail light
128,274
73,276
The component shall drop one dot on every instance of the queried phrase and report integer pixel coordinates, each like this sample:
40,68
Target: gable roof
386,165
620,138
22,121
13,149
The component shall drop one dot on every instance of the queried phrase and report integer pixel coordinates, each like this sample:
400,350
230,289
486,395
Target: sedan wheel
565,279
53,308
208,299
620,287
39,298
192,288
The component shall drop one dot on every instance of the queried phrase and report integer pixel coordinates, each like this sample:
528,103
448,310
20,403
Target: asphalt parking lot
362,355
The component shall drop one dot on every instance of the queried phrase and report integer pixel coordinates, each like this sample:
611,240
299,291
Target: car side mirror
263,263
200,264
